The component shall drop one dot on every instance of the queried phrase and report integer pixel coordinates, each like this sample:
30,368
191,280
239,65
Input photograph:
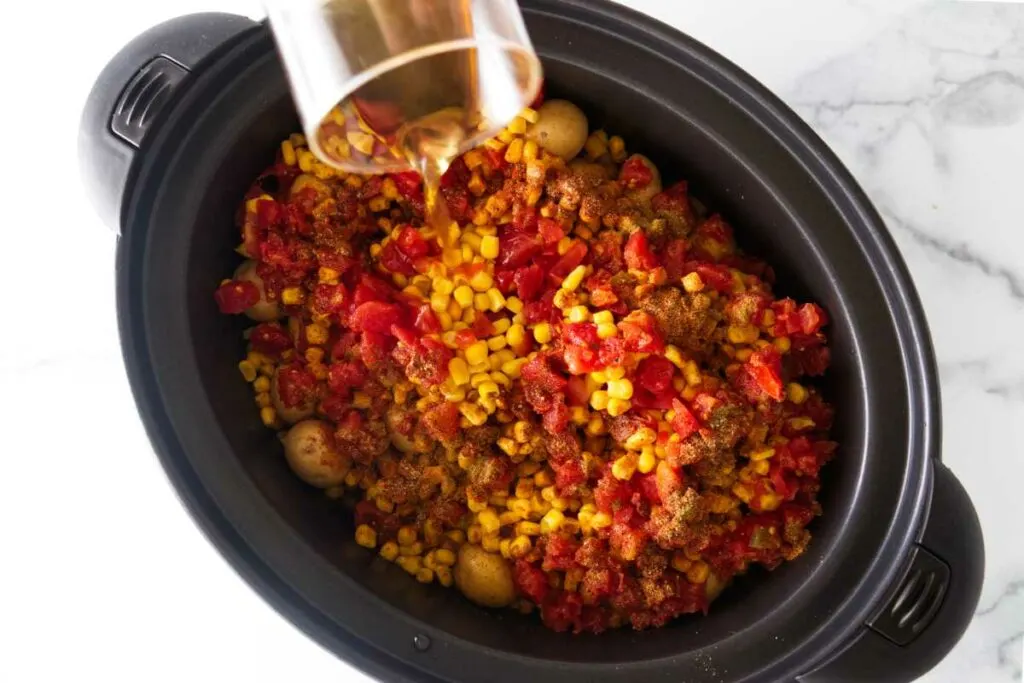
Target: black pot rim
908,517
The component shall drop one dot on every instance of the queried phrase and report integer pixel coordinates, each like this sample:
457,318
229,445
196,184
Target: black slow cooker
188,113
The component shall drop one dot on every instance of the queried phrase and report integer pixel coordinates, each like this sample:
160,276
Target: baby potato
305,180
561,128
590,169
311,453
290,414
263,310
652,188
483,577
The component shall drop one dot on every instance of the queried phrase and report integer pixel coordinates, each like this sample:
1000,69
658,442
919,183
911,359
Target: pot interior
692,130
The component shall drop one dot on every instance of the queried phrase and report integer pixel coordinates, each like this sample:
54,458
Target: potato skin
263,310
310,451
561,128
290,414
483,577
654,187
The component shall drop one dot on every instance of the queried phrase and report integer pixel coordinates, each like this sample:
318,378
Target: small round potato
395,417
483,577
306,180
290,414
310,451
590,169
652,188
561,128
263,310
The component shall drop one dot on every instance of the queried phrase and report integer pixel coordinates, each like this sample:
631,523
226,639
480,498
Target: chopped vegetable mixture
579,398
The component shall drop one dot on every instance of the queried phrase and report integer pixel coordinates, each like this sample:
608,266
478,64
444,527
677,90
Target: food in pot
579,398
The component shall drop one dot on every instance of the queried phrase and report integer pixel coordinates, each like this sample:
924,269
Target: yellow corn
573,280
291,296
542,333
693,283
496,300
458,370
644,436
268,416
620,388
481,281
550,522
497,343
796,393
463,295
489,247
604,317
763,454
477,353
624,467
579,314
618,406
473,413
742,334
782,344
248,370
366,536
599,400
389,551
514,304
606,330
647,461
601,520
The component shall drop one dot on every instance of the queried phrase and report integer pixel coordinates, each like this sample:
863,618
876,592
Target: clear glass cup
371,78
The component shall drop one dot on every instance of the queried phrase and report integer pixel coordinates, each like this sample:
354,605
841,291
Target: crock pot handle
131,91
929,608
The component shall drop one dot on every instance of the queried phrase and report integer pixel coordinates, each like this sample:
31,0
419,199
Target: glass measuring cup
372,78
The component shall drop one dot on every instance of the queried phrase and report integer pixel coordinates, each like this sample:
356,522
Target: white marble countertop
105,574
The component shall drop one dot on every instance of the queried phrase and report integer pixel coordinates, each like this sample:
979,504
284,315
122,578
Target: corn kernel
481,281
796,393
742,334
693,283
463,295
389,551
542,333
606,330
513,368
603,317
579,314
615,372
763,454
624,467
411,565
496,299
481,302
692,374
439,302
573,280
618,406
248,370
800,423
473,413
782,344
620,388
406,535
488,520
514,304
489,247
366,536
599,400
601,520
698,572
268,416
480,368
596,426
550,522
520,546
644,436
476,353
647,461
292,296
527,529
488,389
497,343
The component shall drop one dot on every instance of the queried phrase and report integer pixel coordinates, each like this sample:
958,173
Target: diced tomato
646,400
531,581
524,217
580,334
426,321
371,288
516,249
541,384
504,280
442,421
577,391
550,230
374,348
569,475
580,360
612,352
716,276
269,339
395,260
812,318
376,316
542,310
812,360
563,612
635,173
674,201
465,338
655,373
569,260
482,326
235,296
344,376
329,299
556,419
638,253
626,543
560,553
411,242
647,484
673,257
684,423
529,282
668,480
640,333
295,385
610,493
409,184
717,229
